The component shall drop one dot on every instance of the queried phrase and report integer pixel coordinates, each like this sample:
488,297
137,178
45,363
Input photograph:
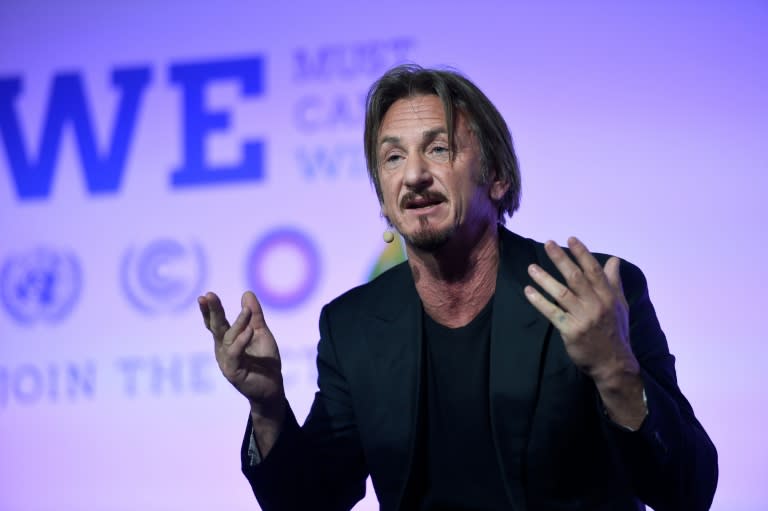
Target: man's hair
458,94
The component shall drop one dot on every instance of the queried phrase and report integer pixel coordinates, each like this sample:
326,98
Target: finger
240,323
556,290
573,275
202,302
257,321
613,274
237,347
217,318
549,310
589,265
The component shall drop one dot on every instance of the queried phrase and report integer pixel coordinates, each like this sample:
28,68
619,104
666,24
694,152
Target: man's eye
440,150
391,160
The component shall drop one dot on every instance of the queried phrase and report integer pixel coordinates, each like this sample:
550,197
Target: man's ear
498,189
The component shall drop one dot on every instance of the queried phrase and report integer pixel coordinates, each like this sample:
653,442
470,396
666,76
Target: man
487,372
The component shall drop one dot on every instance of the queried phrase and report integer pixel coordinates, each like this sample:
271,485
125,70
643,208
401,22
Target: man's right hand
248,357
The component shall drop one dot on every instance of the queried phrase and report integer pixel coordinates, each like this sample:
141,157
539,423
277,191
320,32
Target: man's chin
429,240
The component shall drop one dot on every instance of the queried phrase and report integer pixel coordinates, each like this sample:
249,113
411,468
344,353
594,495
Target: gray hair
457,93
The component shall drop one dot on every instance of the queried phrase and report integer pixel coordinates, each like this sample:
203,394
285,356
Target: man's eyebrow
389,140
426,135
433,133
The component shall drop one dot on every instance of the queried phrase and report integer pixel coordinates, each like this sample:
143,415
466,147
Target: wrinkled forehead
419,112
413,111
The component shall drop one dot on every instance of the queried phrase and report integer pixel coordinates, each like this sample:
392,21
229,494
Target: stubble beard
427,237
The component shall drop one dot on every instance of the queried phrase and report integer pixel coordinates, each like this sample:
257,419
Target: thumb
611,269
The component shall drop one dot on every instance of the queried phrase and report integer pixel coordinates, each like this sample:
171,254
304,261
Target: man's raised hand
247,354
591,312
592,316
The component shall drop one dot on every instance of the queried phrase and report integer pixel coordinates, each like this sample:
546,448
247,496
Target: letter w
67,105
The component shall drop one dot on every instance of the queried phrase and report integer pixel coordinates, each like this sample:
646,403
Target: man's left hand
591,314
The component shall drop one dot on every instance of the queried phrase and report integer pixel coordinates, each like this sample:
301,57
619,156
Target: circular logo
163,276
283,268
43,284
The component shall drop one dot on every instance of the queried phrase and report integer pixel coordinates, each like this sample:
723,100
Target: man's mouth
421,200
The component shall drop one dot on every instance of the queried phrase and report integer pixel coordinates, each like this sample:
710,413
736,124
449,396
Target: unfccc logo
41,285
283,268
163,276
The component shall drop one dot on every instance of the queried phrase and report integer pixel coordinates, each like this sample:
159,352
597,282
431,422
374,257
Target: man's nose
417,174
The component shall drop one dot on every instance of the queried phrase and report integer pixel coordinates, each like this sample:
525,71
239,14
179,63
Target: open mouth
421,200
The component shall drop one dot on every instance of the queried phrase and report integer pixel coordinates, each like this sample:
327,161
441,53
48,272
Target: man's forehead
424,113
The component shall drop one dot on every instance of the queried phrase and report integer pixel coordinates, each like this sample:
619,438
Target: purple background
640,128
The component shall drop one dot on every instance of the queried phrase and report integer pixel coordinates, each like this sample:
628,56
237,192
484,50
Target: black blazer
555,447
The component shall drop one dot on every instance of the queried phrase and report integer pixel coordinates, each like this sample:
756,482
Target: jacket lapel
395,342
518,339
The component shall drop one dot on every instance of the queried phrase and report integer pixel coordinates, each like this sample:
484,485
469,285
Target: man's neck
456,282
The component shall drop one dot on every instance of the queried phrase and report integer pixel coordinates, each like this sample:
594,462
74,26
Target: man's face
429,198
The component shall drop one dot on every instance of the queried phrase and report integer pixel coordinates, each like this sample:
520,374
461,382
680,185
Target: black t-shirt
460,469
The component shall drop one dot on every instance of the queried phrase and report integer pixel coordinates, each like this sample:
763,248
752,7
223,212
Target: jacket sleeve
670,460
319,465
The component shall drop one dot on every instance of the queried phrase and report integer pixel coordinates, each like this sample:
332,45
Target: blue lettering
166,375
199,122
158,376
53,382
316,162
348,61
81,381
130,367
199,377
67,105
314,113
341,160
307,113
28,384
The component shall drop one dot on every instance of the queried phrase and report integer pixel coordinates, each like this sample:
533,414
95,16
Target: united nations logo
163,276
41,285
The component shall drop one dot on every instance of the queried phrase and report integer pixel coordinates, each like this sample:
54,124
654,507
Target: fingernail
529,290
533,269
